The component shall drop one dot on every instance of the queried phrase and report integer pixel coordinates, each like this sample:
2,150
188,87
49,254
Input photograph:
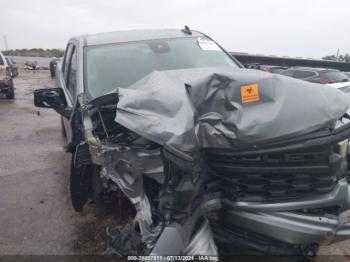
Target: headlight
342,150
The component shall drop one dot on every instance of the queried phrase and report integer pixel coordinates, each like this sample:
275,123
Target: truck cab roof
133,36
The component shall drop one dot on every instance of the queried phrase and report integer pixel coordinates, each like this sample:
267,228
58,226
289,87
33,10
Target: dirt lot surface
36,216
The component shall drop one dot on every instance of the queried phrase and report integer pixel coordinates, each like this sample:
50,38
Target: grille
274,176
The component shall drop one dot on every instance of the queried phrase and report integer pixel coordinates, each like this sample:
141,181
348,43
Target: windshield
120,65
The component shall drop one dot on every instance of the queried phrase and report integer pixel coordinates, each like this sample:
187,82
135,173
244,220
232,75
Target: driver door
68,82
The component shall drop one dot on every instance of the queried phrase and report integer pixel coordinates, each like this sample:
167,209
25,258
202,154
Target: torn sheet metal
126,166
225,107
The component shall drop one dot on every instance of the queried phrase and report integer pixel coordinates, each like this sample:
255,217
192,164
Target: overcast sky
302,28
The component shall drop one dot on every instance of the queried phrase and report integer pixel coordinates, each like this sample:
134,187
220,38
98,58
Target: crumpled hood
225,107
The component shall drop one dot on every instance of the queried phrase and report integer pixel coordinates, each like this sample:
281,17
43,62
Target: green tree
39,52
341,58
330,57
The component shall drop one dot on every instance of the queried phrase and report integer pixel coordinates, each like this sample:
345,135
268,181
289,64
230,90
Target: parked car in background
31,65
53,65
6,83
252,66
273,69
13,66
347,74
316,75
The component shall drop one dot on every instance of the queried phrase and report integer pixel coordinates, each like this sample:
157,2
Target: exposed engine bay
271,173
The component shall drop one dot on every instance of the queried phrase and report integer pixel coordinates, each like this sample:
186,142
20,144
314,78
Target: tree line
341,58
38,52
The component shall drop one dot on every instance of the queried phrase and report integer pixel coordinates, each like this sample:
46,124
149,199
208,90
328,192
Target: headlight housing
342,148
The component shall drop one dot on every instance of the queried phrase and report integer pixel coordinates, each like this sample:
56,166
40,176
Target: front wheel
80,180
10,93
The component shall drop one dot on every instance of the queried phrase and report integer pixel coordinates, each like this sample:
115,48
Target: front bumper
282,221
290,227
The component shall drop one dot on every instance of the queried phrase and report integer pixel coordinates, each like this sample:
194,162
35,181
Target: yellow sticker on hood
250,93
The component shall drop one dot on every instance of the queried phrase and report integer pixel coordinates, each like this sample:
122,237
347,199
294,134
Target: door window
288,73
71,79
66,60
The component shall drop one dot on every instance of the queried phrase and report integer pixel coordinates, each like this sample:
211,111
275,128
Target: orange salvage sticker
250,93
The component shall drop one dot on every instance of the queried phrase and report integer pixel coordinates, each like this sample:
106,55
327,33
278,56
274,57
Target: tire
80,181
10,93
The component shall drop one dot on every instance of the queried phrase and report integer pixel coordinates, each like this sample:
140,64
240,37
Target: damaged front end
206,170
168,217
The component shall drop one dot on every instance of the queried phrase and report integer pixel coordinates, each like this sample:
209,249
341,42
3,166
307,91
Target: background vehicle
252,66
273,69
316,75
52,66
13,66
6,83
31,65
347,74
124,97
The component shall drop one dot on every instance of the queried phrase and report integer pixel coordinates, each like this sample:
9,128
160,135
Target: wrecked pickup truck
210,155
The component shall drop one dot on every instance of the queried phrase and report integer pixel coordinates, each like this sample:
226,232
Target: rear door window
304,74
288,73
277,70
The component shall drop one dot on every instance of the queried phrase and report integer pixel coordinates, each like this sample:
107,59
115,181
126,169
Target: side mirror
52,98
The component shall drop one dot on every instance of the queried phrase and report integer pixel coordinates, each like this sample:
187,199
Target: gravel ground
36,217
